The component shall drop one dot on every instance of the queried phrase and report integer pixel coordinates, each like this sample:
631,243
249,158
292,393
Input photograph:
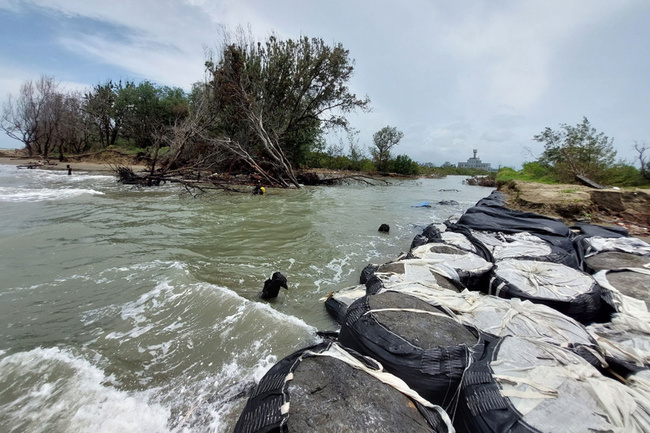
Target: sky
452,75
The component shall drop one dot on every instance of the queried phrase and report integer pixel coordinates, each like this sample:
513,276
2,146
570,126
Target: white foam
139,314
263,307
10,194
60,391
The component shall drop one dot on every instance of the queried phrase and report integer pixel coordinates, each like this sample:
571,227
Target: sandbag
432,275
500,317
472,270
337,303
614,260
501,219
326,388
523,385
598,253
625,286
504,220
569,291
524,245
459,240
420,344
367,272
431,233
625,341
438,276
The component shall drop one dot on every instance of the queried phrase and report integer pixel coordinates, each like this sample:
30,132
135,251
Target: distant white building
475,163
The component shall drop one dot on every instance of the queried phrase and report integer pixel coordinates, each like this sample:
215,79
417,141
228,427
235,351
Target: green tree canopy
384,140
577,150
274,99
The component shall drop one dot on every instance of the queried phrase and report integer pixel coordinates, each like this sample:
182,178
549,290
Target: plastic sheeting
496,198
471,269
597,244
565,289
604,231
522,385
501,219
625,340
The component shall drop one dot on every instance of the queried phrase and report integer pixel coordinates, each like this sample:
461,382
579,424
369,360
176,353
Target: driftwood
197,182
481,181
588,182
336,178
195,185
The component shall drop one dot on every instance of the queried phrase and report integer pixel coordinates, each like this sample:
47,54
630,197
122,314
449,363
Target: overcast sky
452,75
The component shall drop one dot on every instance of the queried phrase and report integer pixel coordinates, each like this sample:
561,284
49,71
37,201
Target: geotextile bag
522,385
421,344
327,388
498,317
569,291
472,269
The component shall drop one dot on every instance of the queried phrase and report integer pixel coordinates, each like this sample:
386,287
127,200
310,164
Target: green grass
506,174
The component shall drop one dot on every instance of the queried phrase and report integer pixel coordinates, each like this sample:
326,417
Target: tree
644,169
75,127
274,99
576,150
107,110
405,165
385,139
29,118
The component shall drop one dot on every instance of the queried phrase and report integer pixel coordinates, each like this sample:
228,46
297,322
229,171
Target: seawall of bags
501,321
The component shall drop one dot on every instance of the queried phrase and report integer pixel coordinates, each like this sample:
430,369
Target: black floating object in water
384,228
273,284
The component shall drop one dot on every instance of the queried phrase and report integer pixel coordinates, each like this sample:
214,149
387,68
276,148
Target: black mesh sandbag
326,388
494,218
415,341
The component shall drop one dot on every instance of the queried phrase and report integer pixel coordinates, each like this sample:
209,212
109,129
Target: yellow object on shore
263,190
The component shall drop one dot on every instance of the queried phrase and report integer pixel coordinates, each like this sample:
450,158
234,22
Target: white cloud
452,76
509,51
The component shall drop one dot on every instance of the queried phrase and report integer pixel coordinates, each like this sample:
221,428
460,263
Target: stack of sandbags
499,317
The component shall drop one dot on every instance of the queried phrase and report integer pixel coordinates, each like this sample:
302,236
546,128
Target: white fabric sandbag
596,244
472,269
570,291
537,385
626,338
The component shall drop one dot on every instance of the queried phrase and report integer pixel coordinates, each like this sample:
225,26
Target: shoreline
570,203
97,167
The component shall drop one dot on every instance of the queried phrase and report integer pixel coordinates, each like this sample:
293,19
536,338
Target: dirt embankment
572,203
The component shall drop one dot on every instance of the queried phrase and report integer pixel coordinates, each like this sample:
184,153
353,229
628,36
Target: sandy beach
5,159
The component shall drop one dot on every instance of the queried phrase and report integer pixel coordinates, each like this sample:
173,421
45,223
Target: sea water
138,309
